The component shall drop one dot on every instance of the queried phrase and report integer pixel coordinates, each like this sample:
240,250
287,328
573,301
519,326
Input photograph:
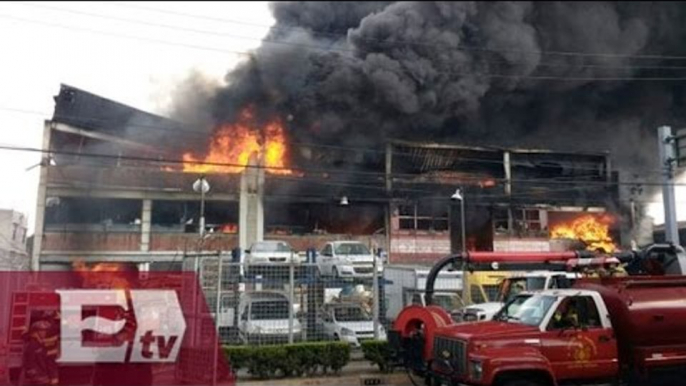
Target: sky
43,45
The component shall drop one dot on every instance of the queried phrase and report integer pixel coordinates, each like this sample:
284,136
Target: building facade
111,189
13,229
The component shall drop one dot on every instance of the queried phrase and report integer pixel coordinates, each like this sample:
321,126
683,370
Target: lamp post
344,201
202,186
459,196
466,293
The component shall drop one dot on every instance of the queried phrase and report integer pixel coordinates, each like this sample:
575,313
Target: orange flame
237,143
114,281
229,228
594,231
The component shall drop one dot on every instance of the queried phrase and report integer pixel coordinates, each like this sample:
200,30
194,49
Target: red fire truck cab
628,329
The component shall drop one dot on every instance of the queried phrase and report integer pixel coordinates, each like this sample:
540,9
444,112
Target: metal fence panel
291,302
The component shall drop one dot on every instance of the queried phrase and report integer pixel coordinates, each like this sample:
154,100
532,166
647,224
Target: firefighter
567,315
616,268
39,363
52,344
613,268
590,272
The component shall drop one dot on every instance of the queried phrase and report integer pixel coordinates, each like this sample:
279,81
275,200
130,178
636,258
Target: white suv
348,259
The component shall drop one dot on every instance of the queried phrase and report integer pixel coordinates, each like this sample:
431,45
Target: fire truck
627,330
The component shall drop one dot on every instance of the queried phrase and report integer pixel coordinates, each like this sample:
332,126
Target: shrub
337,355
291,359
379,353
238,356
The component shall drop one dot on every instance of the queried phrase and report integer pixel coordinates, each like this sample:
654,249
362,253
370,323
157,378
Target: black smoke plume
561,75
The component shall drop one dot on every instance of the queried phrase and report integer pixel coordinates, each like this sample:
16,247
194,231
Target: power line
180,28
325,171
125,36
206,136
329,49
482,75
343,34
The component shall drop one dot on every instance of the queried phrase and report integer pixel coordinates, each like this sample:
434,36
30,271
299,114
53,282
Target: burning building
389,106
116,186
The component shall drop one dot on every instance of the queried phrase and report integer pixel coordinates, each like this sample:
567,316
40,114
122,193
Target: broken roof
122,123
85,110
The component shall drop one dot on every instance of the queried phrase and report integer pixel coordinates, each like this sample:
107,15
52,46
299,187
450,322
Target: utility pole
217,308
375,297
667,150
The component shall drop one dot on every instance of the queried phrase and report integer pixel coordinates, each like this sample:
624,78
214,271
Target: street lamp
459,196
466,286
202,186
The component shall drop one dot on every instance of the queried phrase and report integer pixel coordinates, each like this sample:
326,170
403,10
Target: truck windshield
526,309
351,314
351,249
269,310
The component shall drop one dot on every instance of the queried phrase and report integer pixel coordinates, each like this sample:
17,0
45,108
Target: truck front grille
450,352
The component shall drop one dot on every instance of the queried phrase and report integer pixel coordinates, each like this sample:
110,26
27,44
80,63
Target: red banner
108,328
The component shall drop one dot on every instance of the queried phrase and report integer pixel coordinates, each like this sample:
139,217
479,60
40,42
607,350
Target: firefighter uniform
52,345
618,271
39,358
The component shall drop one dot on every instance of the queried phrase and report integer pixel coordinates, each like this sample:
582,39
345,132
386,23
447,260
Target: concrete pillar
41,199
389,193
389,167
508,173
251,207
146,223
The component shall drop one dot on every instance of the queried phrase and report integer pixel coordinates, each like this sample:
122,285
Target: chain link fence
289,302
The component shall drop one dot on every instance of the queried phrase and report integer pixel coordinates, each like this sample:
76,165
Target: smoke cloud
505,73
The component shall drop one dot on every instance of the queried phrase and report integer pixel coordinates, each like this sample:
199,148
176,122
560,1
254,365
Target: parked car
264,318
348,322
263,254
348,259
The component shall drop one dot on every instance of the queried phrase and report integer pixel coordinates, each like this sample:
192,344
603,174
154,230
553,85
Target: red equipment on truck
630,329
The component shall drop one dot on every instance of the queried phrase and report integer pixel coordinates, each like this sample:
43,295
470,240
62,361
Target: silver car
270,253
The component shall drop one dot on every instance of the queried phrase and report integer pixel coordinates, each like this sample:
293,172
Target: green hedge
289,360
379,353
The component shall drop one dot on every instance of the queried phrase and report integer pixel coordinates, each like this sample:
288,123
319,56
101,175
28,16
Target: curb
344,380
